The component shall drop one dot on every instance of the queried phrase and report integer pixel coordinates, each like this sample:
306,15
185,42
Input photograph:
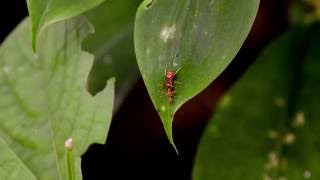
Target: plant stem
69,159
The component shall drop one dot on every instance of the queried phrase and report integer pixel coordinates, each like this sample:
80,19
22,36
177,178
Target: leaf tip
175,147
169,134
33,44
33,34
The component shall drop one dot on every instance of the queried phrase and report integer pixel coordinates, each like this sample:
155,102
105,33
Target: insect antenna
165,70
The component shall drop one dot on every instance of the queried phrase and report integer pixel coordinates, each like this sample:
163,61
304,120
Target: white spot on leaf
273,161
307,174
289,138
167,33
298,119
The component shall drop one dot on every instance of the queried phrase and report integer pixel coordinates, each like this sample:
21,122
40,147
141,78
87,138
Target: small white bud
68,144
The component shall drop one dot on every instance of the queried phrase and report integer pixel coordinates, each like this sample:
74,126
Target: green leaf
11,167
200,36
44,100
46,12
267,126
112,45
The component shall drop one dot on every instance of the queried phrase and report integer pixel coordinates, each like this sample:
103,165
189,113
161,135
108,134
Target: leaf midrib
47,78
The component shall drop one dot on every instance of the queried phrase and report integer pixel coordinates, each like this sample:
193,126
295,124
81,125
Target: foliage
112,46
46,12
44,101
200,37
266,126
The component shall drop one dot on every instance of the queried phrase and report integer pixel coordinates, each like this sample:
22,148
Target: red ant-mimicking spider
170,76
170,92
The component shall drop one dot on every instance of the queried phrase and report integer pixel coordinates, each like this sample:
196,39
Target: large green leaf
199,36
112,45
46,12
44,101
11,167
267,126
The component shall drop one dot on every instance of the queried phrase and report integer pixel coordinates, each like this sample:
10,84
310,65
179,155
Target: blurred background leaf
112,45
46,12
304,12
44,100
267,126
201,37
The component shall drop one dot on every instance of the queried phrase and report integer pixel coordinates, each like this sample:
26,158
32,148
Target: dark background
137,147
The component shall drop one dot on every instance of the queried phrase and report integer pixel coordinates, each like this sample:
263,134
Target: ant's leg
177,82
170,86
172,93
162,94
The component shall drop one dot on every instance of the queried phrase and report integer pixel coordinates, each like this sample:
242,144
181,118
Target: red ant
170,75
170,92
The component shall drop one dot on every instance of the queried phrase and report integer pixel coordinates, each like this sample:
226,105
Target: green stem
70,163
